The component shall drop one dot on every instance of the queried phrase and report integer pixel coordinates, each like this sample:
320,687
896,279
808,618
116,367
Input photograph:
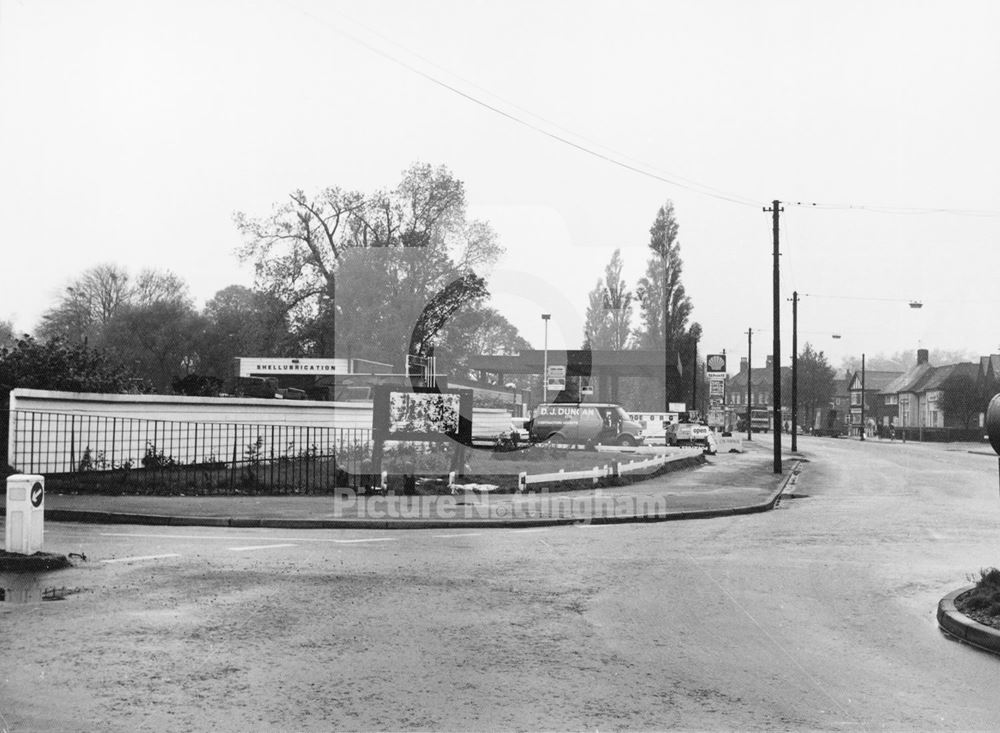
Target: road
816,616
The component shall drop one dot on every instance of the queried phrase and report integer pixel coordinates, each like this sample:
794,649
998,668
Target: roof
923,377
761,375
876,380
909,380
988,364
939,376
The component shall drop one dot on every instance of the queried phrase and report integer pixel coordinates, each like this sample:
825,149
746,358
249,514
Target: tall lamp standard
749,373
862,397
545,359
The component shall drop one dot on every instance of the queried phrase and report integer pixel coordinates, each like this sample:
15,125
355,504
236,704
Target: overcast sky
131,131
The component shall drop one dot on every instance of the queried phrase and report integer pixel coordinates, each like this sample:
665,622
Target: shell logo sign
716,362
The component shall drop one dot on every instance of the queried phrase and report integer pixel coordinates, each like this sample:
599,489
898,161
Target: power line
901,210
613,157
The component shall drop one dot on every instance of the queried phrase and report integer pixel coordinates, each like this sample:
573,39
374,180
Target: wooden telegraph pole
776,348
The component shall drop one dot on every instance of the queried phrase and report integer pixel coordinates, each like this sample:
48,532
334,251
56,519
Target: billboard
422,414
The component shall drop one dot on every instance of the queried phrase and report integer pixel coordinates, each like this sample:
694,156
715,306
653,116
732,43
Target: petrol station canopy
596,363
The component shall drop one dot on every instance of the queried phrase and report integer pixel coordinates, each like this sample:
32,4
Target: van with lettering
587,422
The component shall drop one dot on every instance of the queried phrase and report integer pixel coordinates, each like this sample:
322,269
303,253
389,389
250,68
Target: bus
760,420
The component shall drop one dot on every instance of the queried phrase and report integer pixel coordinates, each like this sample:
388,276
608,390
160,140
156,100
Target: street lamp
545,359
862,397
749,374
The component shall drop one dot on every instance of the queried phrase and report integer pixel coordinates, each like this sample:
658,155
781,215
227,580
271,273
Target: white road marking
259,547
532,529
448,536
141,557
372,539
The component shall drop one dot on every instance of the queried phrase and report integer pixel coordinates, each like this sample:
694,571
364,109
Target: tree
664,306
609,309
159,339
87,304
815,382
356,271
961,400
660,292
479,330
6,333
239,321
91,301
61,365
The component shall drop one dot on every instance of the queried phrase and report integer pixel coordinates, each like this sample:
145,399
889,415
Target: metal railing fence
95,449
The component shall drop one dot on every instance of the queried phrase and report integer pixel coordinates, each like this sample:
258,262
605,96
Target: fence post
616,469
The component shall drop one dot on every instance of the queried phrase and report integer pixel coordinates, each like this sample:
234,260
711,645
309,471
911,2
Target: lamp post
862,397
749,373
694,377
545,359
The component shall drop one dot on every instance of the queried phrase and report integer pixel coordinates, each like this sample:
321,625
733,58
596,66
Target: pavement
723,485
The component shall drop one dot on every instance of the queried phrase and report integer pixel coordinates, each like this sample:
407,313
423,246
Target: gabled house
988,380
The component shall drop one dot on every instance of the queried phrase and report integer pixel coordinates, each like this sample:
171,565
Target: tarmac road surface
818,615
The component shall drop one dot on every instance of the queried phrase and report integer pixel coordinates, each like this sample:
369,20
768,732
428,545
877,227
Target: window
856,399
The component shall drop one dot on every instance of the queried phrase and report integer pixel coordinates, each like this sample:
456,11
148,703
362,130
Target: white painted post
25,526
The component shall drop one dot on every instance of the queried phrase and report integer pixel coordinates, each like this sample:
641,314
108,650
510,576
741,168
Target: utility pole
795,370
749,372
776,358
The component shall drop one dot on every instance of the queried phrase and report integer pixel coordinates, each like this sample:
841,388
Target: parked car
688,433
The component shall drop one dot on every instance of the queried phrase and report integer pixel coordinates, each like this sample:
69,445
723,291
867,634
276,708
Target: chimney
743,364
922,356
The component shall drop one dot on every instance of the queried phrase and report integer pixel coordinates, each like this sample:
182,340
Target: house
988,381
868,404
761,393
922,393
837,415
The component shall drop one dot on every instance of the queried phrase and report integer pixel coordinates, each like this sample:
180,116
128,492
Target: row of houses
953,396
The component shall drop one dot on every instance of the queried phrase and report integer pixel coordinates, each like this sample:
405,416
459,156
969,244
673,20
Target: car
688,433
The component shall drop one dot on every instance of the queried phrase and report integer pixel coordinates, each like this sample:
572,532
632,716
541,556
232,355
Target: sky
130,132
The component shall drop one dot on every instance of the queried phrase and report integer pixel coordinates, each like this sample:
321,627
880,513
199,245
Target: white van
588,422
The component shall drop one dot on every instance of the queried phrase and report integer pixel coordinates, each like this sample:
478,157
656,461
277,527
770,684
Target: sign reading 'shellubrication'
258,367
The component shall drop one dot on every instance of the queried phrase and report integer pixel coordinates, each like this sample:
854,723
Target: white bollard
24,529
